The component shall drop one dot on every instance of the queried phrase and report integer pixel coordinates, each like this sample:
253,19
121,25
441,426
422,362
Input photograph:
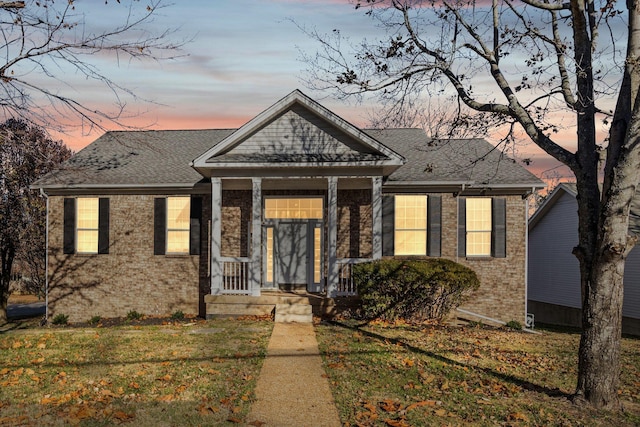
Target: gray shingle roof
137,158
148,158
454,160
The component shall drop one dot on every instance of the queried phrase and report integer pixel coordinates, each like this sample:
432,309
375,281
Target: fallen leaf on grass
422,403
407,362
390,405
440,412
123,416
206,409
396,423
234,420
517,416
257,423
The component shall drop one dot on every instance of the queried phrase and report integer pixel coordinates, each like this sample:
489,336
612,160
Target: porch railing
346,287
235,275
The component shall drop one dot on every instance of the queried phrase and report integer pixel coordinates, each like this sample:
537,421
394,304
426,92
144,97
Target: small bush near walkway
412,289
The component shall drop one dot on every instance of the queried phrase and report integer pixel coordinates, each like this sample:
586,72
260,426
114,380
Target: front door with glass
293,243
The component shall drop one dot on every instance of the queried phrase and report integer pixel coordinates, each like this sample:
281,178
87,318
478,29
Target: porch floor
264,305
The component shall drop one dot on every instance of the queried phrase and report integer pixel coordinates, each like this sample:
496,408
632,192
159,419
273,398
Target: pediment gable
300,132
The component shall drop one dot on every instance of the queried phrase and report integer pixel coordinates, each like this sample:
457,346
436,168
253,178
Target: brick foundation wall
130,277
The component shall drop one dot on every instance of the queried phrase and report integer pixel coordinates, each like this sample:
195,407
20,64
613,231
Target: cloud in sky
242,56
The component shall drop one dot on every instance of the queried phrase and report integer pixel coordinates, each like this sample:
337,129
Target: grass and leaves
198,373
402,375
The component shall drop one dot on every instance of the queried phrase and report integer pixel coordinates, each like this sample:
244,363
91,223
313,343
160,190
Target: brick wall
502,289
130,277
354,224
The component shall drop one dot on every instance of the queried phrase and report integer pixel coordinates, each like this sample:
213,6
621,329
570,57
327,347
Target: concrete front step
299,313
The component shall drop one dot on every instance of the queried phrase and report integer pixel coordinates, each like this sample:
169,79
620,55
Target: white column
255,274
216,236
376,212
332,236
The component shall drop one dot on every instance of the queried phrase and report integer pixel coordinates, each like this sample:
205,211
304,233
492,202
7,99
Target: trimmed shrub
514,324
60,319
134,315
177,315
413,289
95,320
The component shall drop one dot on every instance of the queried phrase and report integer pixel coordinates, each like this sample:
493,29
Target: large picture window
178,225
478,225
87,225
410,225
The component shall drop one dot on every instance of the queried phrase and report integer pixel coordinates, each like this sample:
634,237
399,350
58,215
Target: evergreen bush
413,289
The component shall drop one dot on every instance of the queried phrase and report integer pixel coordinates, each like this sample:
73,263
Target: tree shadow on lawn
527,385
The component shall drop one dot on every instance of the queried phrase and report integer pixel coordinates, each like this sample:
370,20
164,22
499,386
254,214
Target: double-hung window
178,225
478,226
482,227
86,225
410,225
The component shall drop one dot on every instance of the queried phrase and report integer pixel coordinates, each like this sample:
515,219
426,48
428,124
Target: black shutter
434,226
388,225
499,227
159,226
462,227
195,225
69,226
103,225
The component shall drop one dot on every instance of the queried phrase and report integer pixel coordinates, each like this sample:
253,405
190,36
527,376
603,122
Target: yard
193,373
399,375
204,373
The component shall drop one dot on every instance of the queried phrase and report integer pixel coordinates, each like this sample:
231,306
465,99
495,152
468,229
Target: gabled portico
292,161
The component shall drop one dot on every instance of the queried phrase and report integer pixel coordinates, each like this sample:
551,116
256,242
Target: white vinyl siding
554,272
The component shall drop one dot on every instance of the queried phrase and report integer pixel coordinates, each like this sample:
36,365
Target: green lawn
399,375
202,373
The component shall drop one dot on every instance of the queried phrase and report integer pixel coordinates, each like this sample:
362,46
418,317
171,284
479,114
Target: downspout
462,187
526,260
46,257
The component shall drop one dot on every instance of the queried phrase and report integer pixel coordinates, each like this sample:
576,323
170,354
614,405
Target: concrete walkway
292,389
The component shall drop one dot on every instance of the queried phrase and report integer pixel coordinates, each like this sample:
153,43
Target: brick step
298,313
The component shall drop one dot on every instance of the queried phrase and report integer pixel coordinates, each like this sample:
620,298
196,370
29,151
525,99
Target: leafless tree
47,49
26,153
533,66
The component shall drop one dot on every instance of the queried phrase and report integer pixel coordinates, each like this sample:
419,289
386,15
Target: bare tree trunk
7,255
599,353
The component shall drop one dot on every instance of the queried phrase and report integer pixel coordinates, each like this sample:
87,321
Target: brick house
160,221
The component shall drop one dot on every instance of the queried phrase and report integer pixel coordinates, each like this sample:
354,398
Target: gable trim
394,159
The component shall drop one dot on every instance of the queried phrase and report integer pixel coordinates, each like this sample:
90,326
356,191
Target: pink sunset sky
241,57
